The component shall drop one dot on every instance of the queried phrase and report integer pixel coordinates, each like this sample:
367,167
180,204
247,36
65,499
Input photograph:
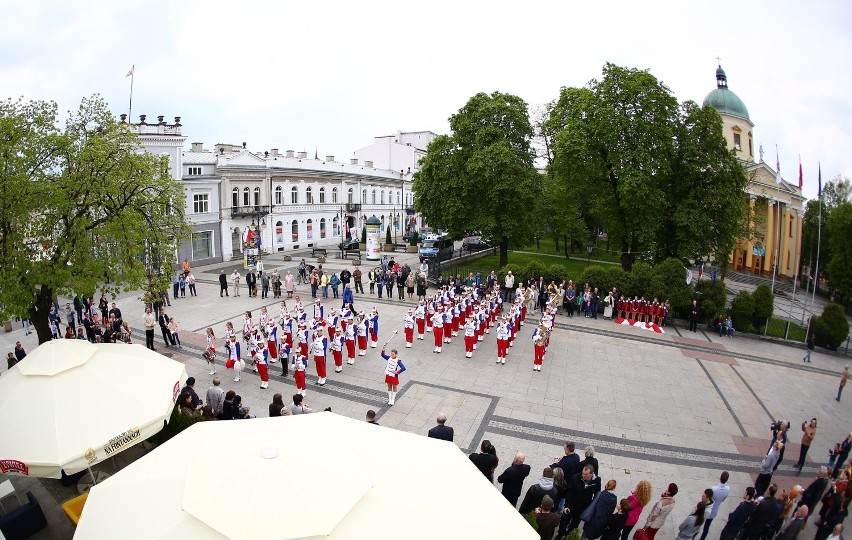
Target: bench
400,247
322,252
346,252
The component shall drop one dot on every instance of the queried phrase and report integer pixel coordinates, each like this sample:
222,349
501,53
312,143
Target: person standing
190,281
809,349
843,378
319,347
808,434
764,477
356,277
235,279
164,327
264,285
442,431
693,316
720,493
223,284
251,282
148,321
393,368
640,497
216,397
660,511
513,478
737,519
692,524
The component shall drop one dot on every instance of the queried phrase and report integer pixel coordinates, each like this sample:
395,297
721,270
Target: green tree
670,284
840,230
84,208
388,234
628,152
482,175
742,311
764,304
834,193
831,328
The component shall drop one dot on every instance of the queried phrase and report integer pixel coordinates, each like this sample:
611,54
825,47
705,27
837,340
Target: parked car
476,245
348,244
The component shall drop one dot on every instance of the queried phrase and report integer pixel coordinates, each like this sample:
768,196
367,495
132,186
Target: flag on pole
777,166
130,73
819,185
800,172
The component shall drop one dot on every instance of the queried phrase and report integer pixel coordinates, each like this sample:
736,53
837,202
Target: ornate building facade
776,206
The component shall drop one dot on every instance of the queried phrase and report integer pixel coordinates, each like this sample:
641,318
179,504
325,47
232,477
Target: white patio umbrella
306,476
70,404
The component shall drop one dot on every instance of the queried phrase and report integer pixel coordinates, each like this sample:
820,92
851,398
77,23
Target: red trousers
468,343
539,354
343,325
502,348
374,336
421,326
273,350
288,339
338,358
409,335
439,335
263,370
303,348
455,324
331,330
350,348
319,362
362,343
428,321
300,379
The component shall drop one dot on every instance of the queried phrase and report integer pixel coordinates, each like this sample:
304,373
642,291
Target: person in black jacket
536,492
513,478
764,514
486,461
739,516
582,489
569,463
813,493
223,284
615,522
441,431
164,326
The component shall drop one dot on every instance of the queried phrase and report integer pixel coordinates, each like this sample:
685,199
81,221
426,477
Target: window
279,195
294,195
294,230
322,195
279,232
310,228
257,196
374,196
737,141
750,151
349,196
363,196
194,171
398,198
335,227
382,226
322,227
202,245
200,203
246,196
333,195
382,195
791,226
309,196
235,197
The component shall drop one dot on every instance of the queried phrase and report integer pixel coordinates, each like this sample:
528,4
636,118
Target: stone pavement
678,407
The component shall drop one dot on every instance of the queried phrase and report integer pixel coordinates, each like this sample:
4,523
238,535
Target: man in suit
513,478
813,493
569,463
441,431
223,284
793,526
164,326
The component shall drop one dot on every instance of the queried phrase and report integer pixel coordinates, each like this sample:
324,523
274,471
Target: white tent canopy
70,404
305,476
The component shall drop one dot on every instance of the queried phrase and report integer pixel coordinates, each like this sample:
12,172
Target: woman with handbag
638,499
659,513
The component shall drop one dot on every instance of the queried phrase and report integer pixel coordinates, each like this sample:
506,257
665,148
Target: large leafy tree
840,227
482,175
834,193
85,208
657,177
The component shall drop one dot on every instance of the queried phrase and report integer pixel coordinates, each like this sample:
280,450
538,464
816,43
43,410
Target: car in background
348,244
476,245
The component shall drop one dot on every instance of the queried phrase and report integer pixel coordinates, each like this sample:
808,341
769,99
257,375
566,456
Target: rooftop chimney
289,153
368,164
197,147
274,152
303,155
329,159
353,161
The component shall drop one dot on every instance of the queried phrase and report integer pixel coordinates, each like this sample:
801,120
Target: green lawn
548,246
573,266
777,328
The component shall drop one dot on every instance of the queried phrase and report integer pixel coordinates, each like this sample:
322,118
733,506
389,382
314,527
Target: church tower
737,124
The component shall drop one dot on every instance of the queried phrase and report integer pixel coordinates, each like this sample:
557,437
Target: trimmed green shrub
641,280
364,235
412,240
595,275
742,311
534,270
388,235
617,277
177,423
530,517
670,283
556,272
831,328
712,299
764,301
516,270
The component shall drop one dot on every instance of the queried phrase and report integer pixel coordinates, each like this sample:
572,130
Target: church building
776,206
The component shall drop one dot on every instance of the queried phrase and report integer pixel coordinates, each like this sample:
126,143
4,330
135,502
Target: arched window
335,226
294,195
322,227
408,199
333,195
246,197
279,195
382,195
398,197
322,195
308,195
279,232
257,196
235,197
382,227
349,196
294,230
374,196
310,227
363,196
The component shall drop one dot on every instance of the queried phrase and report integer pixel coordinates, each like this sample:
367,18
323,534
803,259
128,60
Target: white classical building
297,203
197,173
401,151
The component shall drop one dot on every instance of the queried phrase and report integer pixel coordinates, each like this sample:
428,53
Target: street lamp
589,247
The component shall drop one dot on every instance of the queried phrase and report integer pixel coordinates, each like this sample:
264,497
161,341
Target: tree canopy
85,208
656,176
481,177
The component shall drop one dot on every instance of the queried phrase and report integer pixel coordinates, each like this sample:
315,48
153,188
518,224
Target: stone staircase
783,286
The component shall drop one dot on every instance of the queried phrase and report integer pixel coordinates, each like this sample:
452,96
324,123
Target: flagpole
819,239
130,106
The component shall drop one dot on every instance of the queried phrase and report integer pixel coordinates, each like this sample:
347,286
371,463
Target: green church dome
725,101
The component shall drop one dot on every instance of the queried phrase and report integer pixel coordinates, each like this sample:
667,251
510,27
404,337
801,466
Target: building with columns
776,206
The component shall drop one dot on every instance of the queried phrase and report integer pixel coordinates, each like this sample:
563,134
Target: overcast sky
332,75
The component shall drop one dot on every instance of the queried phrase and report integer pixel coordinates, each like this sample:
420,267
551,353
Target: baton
395,332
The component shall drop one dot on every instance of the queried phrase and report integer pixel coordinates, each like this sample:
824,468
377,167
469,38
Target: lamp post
589,247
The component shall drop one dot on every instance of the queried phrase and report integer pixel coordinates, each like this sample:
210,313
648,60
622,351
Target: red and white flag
130,73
